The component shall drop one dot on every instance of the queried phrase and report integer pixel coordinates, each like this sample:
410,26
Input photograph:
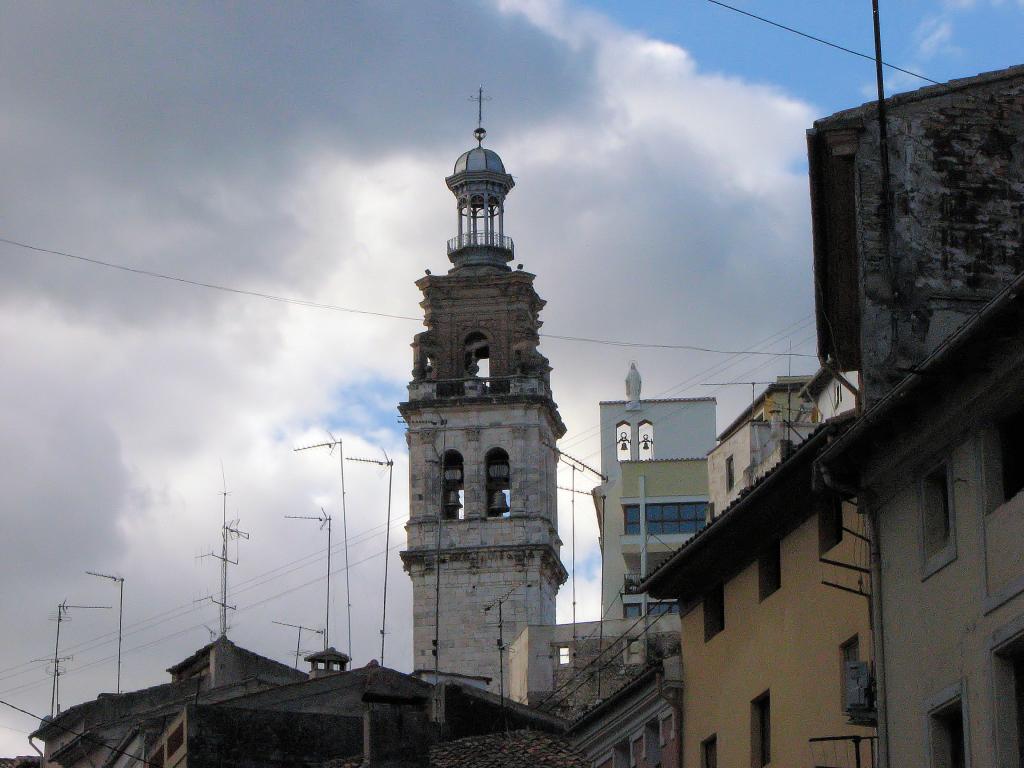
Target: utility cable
821,40
82,735
350,310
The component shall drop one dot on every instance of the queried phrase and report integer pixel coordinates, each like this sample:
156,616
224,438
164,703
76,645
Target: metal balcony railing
480,240
631,580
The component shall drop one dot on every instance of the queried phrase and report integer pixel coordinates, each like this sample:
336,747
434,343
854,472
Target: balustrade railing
480,240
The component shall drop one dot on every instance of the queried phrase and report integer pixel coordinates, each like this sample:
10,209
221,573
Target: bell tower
481,426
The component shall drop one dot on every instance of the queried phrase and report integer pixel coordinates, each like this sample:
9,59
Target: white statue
633,384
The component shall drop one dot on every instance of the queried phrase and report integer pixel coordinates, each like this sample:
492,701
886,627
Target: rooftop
516,749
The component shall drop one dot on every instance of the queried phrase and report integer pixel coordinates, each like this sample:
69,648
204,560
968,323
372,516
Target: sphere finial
479,135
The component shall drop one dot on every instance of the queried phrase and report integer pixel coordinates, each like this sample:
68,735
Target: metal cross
480,99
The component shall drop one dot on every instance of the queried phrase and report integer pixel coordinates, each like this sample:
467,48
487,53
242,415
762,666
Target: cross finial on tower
480,133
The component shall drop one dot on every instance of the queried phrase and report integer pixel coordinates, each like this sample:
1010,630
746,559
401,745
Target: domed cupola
480,184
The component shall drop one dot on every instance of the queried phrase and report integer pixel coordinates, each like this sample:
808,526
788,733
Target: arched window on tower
453,496
477,357
645,440
623,438
499,499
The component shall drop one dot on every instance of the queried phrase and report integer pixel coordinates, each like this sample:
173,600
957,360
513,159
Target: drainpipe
42,757
875,624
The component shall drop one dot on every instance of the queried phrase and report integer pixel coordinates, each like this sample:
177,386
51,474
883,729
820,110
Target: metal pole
120,617
883,149
298,644
224,569
344,534
56,673
387,546
600,624
327,620
501,665
573,508
437,557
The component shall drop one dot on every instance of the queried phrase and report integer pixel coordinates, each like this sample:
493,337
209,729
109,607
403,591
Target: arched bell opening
453,494
499,487
477,356
645,440
623,440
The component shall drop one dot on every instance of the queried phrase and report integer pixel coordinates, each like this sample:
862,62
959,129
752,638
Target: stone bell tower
481,426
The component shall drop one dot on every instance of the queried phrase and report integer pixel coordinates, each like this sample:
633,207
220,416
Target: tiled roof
31,761
517,749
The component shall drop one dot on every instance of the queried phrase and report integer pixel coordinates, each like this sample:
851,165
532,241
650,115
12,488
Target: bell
498,471
498,505
646,443
453,474
451,500
623,442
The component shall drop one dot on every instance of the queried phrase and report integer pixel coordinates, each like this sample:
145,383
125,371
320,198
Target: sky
300,151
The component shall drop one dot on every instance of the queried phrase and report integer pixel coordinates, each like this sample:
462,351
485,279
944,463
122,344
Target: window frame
714,600
935,560
709,745
627,509
730,473
761,730
851,642
830,524
769,571
939,708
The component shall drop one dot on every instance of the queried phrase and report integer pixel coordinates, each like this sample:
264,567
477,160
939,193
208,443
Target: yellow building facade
764,640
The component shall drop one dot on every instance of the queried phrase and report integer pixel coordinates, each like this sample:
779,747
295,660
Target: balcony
481,240
630,581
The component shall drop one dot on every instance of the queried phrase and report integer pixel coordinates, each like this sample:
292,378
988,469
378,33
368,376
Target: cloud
302,152
934,36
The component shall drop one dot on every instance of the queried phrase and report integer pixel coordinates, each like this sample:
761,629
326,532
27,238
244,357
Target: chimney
327,662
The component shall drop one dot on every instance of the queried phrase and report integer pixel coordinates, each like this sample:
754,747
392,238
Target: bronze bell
451,500
498,505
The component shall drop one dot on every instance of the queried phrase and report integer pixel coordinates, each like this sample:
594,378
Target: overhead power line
350,310
821,40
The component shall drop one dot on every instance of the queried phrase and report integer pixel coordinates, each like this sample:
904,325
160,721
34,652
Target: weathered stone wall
482,559
957,170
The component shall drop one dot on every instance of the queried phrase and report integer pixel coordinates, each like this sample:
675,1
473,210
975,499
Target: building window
769,570
709,752
830,523
682,517
714,612
947,736
623,435
176,739
645,441
848,651
631,519
761,730
652,744
1011,444
730,473
936,513
454,493
563,655
498,483
660,609
632,610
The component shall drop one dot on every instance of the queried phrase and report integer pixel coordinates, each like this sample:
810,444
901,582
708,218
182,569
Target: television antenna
119,580
298,641
387,462
325,520
501,646
229,531
330,446
63,615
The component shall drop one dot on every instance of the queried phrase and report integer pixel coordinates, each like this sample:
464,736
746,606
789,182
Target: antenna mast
119,580
387,462
63,614
325,520
298,641
337,443
501,647
228,531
